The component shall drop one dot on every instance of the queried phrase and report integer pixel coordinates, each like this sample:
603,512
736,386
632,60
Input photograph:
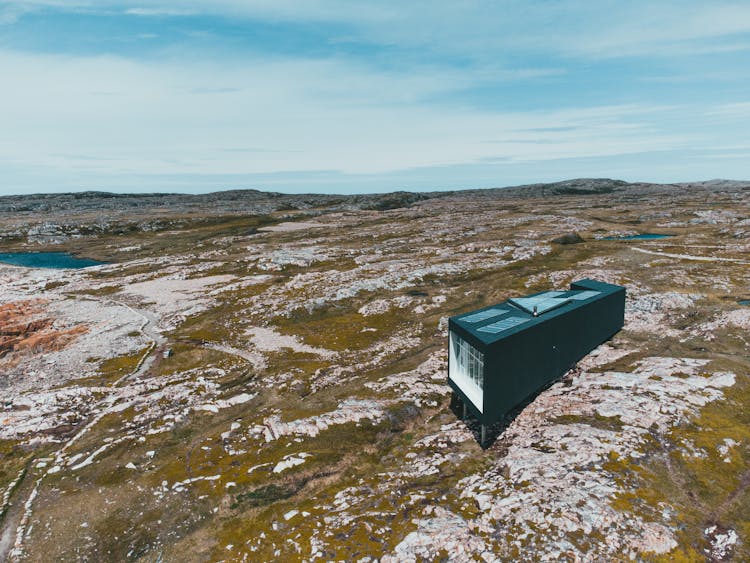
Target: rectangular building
502,355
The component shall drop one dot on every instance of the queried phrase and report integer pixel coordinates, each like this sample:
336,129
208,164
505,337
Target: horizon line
355,194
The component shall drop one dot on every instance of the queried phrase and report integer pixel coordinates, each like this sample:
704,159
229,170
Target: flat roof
499,321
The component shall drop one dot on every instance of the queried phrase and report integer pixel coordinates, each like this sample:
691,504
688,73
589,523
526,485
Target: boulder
568,238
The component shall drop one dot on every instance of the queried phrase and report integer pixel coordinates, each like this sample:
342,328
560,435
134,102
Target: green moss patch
611,423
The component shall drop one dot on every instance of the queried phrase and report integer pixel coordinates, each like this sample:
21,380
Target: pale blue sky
345,96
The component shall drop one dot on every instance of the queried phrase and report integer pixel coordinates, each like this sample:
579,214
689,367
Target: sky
341,96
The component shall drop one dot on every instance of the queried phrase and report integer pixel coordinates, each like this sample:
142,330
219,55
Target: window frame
466,369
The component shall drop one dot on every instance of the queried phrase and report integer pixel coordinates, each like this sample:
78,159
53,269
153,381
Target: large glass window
469,360
467,369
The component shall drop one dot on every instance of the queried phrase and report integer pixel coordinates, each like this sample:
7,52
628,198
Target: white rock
290,461
291,514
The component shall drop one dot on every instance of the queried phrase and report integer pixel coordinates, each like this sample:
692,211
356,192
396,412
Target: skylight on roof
583,295
547,295
483,315
504,324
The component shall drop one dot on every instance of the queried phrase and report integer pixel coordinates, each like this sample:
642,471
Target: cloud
486,30
738,109
479,30
10,14
295,114
225,90
158,12
659,29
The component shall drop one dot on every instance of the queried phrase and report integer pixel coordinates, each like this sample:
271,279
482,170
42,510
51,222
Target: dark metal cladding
525,344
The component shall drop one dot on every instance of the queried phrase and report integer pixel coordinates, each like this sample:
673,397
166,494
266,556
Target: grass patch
13,458
102,291
339,328
262,496
113,369
611,423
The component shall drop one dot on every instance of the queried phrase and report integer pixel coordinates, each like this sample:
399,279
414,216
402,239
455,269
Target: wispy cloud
333,115
158,12
739,109
9,14
601,29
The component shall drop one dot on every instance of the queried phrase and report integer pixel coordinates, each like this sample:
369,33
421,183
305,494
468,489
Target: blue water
644,236
58,260
744,301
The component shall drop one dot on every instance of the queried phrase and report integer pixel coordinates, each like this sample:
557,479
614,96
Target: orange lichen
24,328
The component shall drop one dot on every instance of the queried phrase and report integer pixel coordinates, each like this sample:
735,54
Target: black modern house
502,355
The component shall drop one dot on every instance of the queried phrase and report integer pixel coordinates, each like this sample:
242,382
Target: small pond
642,236
745,302
58,260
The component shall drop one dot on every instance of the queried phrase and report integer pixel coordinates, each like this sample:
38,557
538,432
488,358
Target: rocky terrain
262,377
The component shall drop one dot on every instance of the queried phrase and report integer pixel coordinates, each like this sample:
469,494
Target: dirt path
18,515
691,257
256,359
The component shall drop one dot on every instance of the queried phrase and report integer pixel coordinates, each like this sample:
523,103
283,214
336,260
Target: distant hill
253,201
